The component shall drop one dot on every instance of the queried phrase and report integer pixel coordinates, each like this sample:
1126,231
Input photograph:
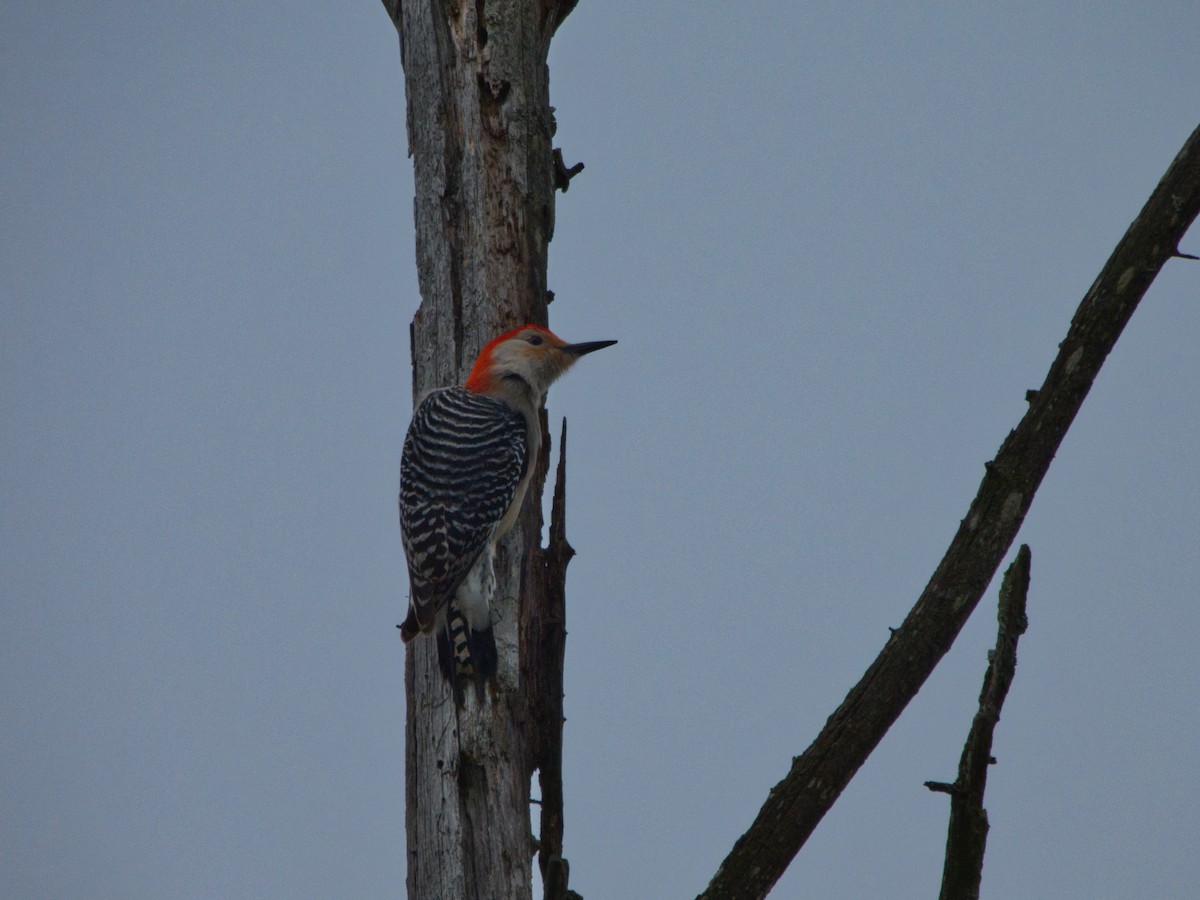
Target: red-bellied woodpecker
467,461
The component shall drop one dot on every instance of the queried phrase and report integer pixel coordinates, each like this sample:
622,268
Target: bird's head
525,360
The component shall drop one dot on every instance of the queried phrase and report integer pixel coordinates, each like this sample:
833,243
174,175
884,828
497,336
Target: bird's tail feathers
466,653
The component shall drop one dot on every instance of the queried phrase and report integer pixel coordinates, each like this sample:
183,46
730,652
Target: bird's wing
464,457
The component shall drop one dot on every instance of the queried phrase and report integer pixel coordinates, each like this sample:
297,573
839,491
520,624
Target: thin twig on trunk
550,638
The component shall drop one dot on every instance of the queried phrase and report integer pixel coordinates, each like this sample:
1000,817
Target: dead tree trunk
479,132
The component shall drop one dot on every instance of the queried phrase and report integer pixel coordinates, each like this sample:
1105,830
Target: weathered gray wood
817,778
479,131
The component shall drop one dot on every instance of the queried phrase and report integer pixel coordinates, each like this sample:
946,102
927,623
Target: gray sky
837,244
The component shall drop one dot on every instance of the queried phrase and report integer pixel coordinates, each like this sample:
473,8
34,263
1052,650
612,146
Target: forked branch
966,837
817,778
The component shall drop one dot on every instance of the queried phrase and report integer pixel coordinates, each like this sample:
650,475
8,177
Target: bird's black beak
585,347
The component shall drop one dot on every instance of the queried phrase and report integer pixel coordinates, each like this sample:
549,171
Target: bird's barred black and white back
463,460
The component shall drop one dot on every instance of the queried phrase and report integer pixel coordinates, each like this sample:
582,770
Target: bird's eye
535,339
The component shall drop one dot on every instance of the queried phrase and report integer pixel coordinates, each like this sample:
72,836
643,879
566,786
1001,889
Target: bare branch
966,837
562,174
797,804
